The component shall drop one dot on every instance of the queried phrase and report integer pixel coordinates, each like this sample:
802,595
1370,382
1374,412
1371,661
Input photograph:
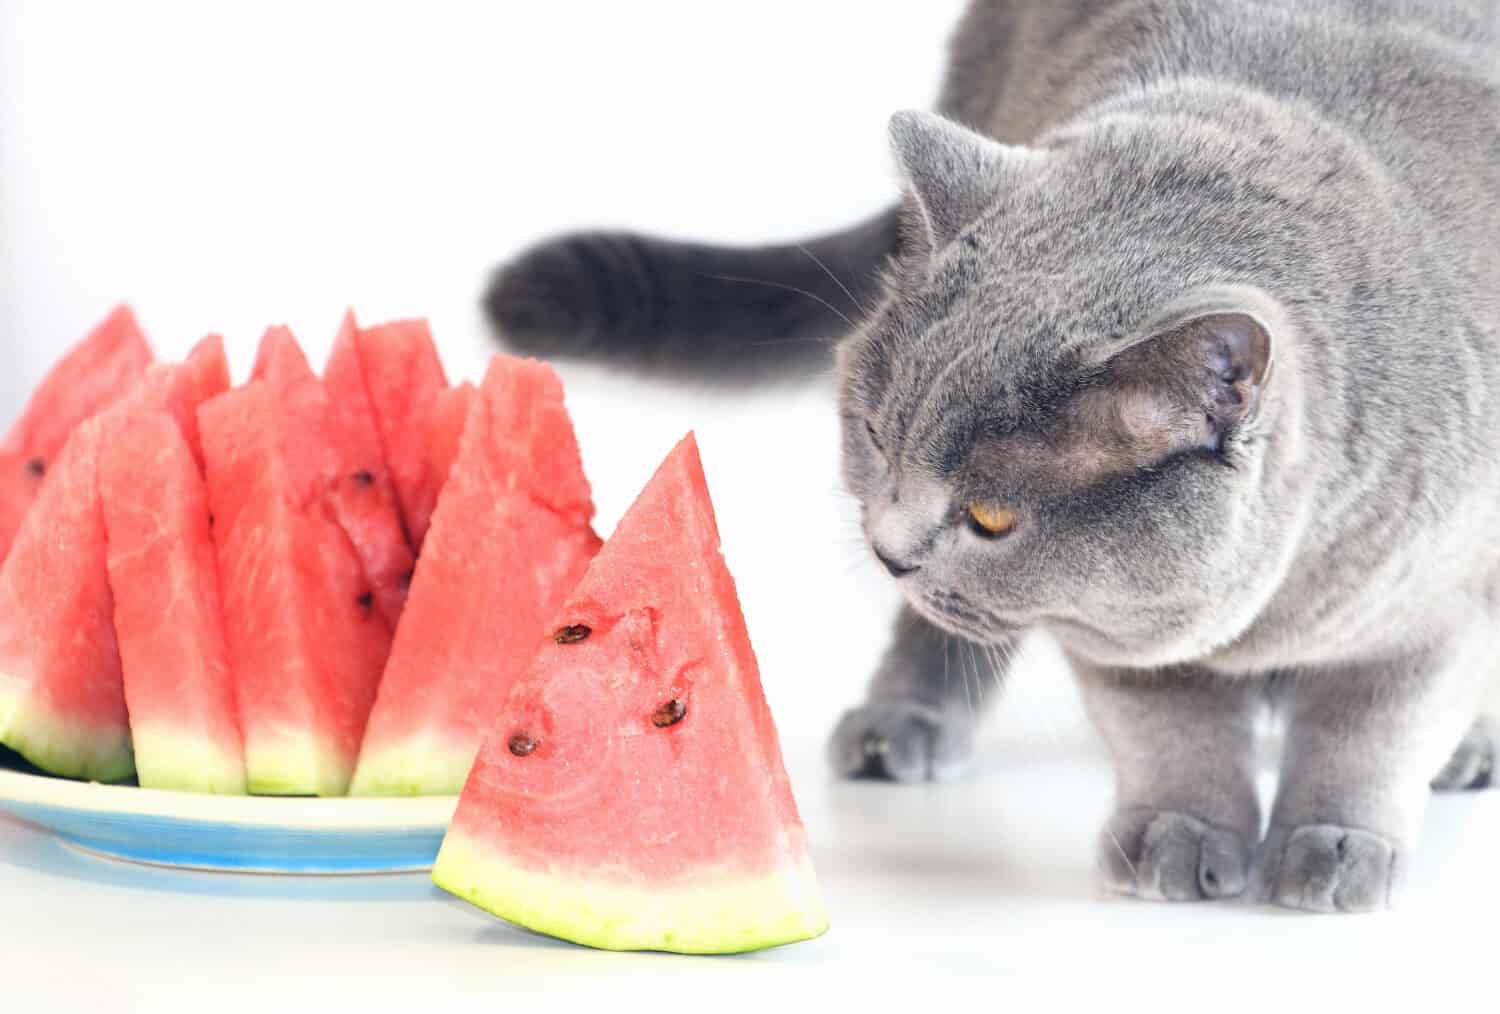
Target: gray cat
1184,348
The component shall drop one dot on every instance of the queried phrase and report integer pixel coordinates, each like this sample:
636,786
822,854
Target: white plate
241,834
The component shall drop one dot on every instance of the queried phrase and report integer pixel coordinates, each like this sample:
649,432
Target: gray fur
1206,295
1330,174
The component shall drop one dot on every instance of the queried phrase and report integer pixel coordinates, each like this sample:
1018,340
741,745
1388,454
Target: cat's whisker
947,684
814,258
788,288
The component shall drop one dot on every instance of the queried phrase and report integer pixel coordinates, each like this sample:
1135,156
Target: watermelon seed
572,635
521,744
37,467
366,600
364,478
406,580
669,713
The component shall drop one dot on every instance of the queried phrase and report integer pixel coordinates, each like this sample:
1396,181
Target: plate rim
345,813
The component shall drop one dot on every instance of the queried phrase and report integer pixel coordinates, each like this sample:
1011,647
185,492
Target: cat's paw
1327,868
901,740
1159,855
1473,763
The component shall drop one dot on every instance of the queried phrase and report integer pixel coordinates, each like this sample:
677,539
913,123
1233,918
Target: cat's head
1059,416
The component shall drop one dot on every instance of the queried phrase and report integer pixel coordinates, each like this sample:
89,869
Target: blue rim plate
237,834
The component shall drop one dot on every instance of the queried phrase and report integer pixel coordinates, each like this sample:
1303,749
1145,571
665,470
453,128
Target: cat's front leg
1361,747
918,720
1186,815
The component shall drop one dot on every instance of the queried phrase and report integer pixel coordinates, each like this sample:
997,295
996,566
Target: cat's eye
991,520
874,437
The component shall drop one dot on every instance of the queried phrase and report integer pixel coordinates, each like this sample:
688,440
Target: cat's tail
691,308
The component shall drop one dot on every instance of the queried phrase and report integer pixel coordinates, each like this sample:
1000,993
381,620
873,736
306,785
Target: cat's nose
896,567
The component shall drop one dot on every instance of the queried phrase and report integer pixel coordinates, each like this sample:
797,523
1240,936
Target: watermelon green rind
168,759
59,746
414,766
295,765
711,912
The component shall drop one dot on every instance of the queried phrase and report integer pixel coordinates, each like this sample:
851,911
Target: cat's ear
1189,386
951,171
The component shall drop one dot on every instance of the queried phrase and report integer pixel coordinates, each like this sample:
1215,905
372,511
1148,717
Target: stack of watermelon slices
315,585
206,582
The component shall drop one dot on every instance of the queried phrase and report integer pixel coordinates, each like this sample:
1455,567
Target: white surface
225,172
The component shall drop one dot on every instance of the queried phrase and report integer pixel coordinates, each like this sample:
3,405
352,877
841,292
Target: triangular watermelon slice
306,641
510,537
631,794
404,378
339,453
62,703
178,684
96,372
164,576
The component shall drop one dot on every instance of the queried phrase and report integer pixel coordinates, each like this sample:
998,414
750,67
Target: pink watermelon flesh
510,537
404,377
167,614
62,703
445,429
306,643
631,792
96,372
179,388
339,453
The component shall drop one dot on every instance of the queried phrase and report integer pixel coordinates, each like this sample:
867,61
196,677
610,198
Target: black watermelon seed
406,580
366,600
36,467
364,478
521,744
572,634
669,713
210,519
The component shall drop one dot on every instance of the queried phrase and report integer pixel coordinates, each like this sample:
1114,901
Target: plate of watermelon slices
360,621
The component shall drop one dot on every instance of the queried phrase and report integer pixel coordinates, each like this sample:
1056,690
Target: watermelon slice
93,374
306,642
632,794
404,378
510,537
167,615
339,451
62,703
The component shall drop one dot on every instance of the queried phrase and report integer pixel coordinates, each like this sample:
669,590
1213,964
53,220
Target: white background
225,168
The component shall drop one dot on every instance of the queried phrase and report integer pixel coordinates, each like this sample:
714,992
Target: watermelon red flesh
92,375
179,388
305,642
501,555
631,794
404,377
445,429
339,458
167,614
62,703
